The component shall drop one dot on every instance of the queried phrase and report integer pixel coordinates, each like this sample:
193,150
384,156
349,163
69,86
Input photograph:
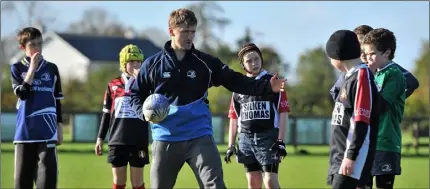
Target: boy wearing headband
260,122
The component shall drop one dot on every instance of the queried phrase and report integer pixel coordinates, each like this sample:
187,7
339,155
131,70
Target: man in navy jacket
184,75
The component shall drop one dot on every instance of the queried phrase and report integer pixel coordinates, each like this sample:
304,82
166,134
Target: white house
76,55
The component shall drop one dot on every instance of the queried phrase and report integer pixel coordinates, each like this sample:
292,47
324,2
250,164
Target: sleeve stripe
232,110
279,100
16,88
363,96
370,90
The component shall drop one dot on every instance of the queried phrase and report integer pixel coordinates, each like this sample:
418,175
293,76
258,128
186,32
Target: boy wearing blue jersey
36,82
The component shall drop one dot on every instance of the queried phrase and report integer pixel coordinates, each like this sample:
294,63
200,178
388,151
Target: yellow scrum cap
129,53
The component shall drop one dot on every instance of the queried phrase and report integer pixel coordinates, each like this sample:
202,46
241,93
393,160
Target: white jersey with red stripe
124,127
354,123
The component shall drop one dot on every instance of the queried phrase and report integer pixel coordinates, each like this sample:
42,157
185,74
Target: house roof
106,48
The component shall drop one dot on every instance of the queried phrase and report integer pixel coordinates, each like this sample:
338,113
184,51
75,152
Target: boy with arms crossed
128,140
354,117
260,121
379,47
37,84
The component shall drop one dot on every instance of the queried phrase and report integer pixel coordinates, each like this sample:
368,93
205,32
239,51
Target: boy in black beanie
354,118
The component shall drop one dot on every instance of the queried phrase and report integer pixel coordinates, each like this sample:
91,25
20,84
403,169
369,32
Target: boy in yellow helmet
128,136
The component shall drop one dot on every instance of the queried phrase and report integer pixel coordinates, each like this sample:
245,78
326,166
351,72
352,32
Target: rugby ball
155,108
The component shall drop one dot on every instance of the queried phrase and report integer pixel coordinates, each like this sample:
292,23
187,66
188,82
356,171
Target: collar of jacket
168,50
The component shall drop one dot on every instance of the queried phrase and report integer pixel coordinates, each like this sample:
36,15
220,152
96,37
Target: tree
418,103
315,78
98,21
26,13
247,38
273,61
29,13
206,12
8,98
90,95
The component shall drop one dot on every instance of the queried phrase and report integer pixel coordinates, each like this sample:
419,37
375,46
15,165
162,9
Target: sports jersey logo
23,75
42,89
255,110
231,111
123,108
338,113
114,88
46,77
343,95
191,74
284,104
363,112
142,154
166,75
37,82
386,168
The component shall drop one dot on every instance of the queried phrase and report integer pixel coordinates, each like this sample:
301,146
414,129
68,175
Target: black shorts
36,163
255,148
386,163
120,156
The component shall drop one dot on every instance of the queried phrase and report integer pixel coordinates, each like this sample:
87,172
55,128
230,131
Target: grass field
84,170
80,168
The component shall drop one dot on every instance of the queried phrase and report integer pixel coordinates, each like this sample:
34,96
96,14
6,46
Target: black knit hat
343,45
248,47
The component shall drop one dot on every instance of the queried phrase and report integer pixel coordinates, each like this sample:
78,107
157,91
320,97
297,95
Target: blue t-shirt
37,115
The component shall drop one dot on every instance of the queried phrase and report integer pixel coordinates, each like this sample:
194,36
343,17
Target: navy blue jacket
411,83
185,83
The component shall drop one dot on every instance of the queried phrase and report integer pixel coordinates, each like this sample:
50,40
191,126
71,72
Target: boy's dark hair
27,34
182,16
248,47
383,39
362,29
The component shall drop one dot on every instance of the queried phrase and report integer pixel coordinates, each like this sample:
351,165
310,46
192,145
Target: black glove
279,147
230,152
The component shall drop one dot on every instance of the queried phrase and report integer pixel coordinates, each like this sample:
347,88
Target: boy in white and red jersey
354,123
260,122
128,139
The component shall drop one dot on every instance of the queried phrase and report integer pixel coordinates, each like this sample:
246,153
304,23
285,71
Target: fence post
223,130
72,127
293,133
324,132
